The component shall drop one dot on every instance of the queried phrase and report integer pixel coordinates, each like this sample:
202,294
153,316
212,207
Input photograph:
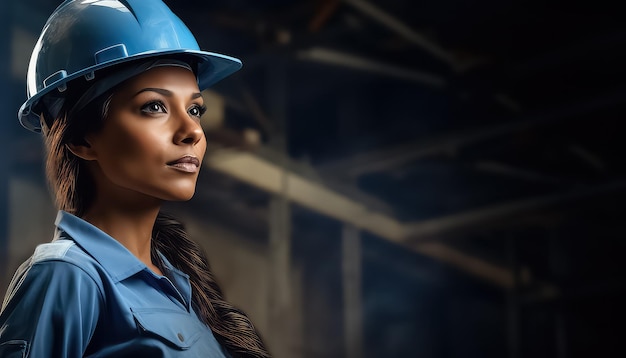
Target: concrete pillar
6,114
558,268
280,289
561,332
352,293
513,304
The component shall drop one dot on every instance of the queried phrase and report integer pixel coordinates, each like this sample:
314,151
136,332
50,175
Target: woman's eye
153,107
197,110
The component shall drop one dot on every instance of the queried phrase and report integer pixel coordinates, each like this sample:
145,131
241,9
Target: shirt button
181,337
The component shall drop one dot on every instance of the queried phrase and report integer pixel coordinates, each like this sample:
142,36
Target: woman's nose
189,130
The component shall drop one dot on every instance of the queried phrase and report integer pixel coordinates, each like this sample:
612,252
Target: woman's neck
131,227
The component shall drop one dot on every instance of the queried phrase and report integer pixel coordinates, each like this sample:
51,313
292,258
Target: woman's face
151,142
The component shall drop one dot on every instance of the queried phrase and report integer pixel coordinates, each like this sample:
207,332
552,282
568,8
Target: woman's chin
181,192
181,197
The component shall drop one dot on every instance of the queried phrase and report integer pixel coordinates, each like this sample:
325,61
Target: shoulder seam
60,260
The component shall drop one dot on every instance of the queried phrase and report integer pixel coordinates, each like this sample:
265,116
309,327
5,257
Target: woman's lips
187,164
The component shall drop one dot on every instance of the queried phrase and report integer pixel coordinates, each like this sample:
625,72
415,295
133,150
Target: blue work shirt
86,295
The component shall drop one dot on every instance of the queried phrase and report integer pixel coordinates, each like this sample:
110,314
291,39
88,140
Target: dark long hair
73,189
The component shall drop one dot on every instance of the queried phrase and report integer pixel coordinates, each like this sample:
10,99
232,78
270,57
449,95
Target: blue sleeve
52,311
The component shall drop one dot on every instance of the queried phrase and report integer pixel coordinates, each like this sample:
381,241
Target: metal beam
558,57
337,58
464,221
502,169
311,194
590,159
325,11
474,266
404,31
393,157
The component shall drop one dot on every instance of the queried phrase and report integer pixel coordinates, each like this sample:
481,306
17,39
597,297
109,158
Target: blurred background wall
391,178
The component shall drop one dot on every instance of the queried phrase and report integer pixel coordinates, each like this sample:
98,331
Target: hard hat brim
211,68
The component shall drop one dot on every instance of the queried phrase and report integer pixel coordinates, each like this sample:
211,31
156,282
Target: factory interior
432,179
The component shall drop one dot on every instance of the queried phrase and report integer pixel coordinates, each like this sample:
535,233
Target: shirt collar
110,254
179,279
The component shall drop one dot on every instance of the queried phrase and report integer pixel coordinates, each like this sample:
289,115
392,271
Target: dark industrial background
460,164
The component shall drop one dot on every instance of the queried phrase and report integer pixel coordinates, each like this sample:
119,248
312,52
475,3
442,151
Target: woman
115,88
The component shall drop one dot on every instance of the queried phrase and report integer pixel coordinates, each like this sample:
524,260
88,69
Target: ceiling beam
342,59
326,9
475,266
502,169
314,195
405,31
393,157
428,229
560,56
311,193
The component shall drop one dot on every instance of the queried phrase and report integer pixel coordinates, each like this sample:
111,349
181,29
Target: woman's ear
82,150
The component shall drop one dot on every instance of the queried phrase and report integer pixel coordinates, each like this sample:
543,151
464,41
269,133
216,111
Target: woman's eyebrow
160,91
164,92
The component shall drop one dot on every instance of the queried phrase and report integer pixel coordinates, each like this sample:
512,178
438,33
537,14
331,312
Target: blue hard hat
84,36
